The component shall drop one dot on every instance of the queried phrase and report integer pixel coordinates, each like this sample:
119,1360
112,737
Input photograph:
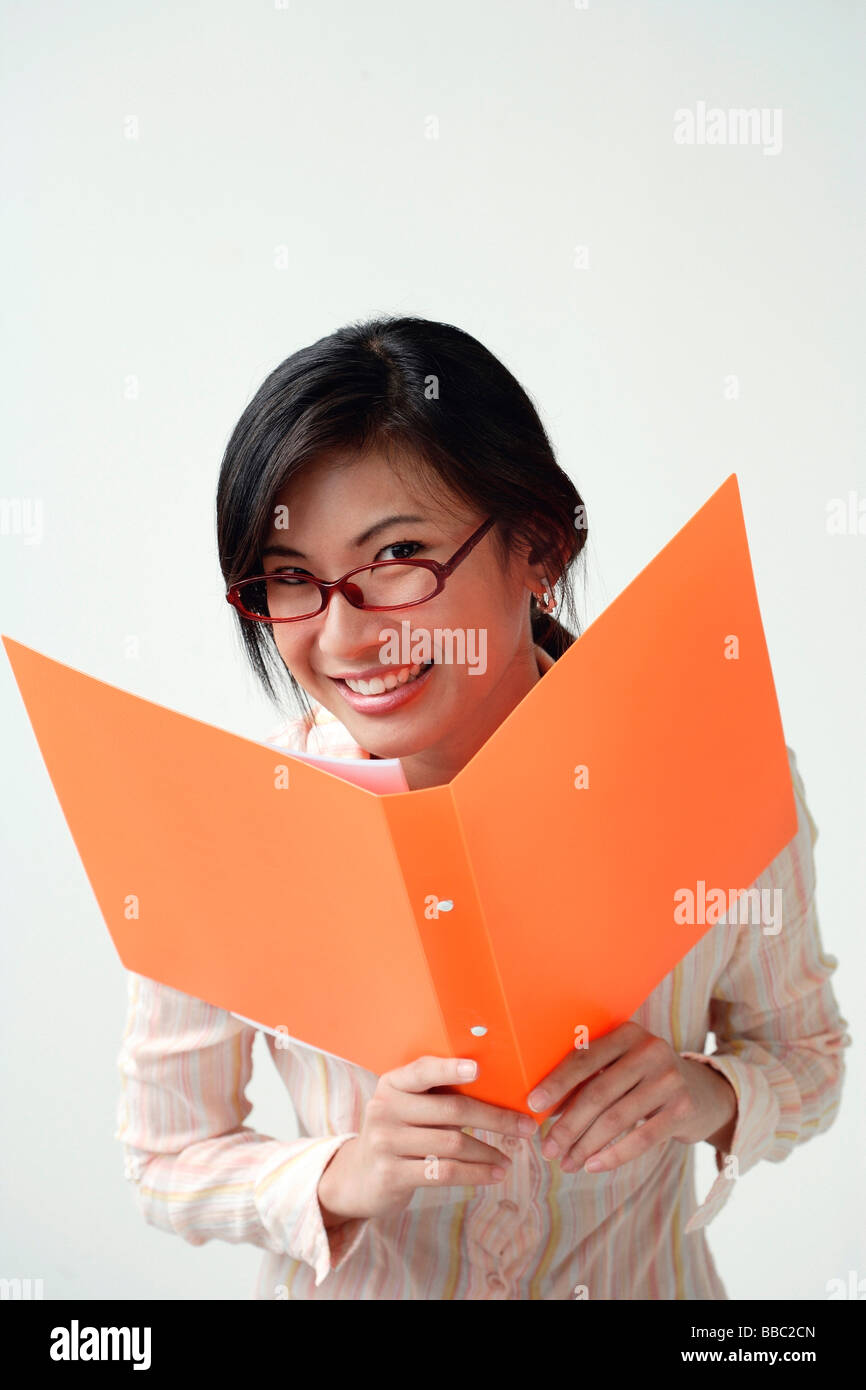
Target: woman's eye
406,546
288,576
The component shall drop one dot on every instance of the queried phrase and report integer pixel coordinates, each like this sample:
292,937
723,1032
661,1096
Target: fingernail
526,1126
499,1172
592,1165
467,1069
550,1148
538,1100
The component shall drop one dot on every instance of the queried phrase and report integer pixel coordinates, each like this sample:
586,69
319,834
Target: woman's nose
345,628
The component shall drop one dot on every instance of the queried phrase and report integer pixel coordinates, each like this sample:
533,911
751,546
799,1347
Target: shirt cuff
289,1205
754,1129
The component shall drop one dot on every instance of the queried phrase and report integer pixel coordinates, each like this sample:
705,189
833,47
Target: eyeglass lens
286,596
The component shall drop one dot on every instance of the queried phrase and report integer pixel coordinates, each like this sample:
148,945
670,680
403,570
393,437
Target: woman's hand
411,1138
632,1083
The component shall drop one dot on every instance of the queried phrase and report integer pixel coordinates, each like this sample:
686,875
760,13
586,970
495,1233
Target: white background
280,183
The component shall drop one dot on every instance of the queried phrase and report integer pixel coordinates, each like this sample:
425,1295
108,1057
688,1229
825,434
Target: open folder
492,917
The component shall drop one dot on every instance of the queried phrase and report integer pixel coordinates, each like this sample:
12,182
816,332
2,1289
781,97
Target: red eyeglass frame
327,587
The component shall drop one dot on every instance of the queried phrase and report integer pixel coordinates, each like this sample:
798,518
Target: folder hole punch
479,1030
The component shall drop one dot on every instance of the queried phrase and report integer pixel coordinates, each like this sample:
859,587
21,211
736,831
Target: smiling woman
396,473
397,470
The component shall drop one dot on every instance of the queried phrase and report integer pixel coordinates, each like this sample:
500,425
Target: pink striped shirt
632,1233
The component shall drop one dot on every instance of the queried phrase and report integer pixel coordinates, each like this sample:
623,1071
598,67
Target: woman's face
436,721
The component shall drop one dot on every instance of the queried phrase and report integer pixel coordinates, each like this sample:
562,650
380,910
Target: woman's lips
389,700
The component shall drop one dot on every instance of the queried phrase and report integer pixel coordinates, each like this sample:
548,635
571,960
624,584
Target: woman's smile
384,694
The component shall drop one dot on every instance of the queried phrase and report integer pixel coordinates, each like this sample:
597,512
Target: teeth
379,684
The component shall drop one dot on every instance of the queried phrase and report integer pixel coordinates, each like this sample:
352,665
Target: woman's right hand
410,1138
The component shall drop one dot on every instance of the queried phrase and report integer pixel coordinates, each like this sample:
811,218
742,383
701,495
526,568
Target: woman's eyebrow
361,540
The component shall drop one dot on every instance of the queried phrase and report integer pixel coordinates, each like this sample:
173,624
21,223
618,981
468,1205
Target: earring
547,599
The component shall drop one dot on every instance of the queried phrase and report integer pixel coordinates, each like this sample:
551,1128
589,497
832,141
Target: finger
581,1063
424,1072
459,1111
413,1141
593,1099
452,1172
648,1133
618,1119
601,1092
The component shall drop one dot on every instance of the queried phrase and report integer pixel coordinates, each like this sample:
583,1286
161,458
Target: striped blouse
635,1232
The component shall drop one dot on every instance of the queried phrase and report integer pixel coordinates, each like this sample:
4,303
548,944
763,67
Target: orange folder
490,917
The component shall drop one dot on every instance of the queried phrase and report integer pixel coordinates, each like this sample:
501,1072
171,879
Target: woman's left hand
629,1078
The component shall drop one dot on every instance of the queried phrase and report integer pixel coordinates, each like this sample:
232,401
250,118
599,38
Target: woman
405,439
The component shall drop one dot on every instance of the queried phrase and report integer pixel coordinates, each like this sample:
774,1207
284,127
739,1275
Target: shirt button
509,1141
508,1205
494,1282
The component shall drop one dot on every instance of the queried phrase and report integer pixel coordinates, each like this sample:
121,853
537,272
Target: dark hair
421,393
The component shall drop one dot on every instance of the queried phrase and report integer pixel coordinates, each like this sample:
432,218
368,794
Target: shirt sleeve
197,1169
778,1029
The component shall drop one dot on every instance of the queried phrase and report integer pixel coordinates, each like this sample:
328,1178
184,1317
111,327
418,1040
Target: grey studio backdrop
193,192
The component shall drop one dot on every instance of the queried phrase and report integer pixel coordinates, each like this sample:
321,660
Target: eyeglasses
288,596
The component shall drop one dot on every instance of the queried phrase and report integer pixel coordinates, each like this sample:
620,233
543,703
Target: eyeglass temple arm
468,545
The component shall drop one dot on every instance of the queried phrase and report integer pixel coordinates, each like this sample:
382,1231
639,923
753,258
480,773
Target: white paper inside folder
380,775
